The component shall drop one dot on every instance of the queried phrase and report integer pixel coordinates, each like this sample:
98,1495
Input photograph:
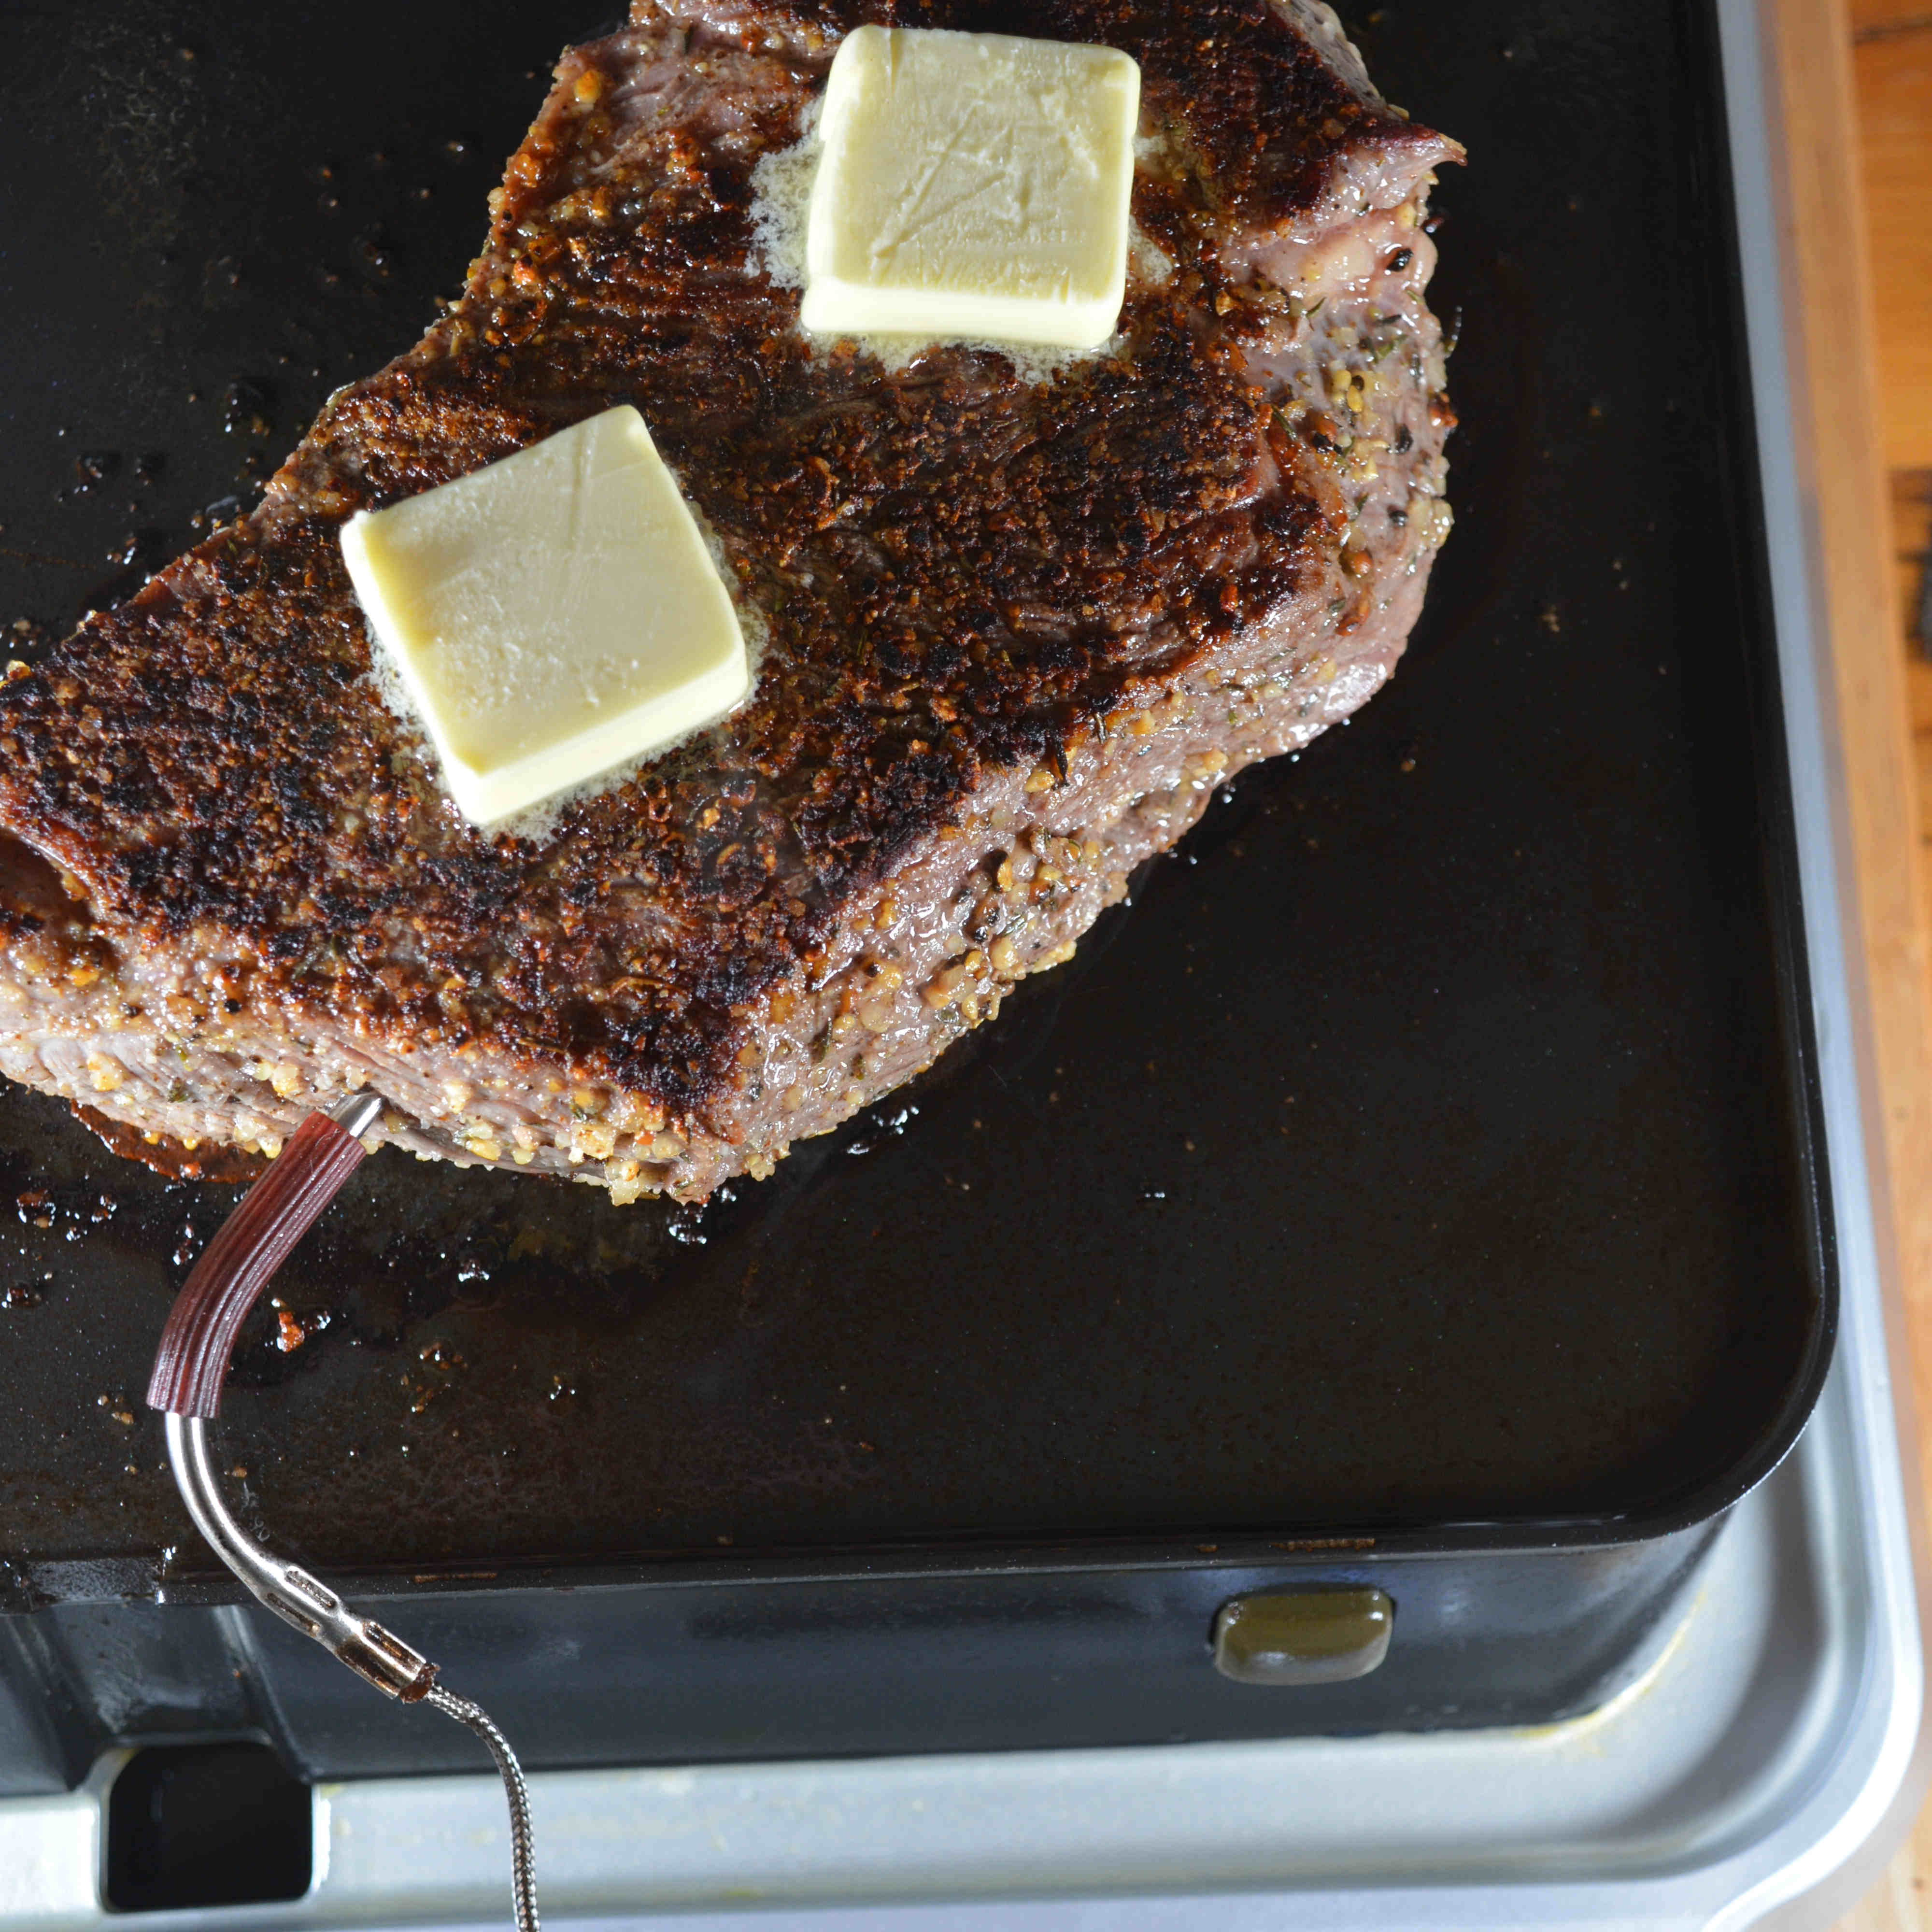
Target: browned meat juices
1016,632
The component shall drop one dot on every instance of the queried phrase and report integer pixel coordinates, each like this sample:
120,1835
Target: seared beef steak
1016,632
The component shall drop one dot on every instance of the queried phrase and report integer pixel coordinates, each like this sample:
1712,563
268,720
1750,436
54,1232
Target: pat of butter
971,187
550,616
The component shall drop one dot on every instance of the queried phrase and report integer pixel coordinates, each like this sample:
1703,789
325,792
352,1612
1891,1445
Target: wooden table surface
1856,79
1892,64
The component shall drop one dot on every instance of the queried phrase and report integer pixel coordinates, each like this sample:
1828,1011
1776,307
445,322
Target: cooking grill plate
1426,1156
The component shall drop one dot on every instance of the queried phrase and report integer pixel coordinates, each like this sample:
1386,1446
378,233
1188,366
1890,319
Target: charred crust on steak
960,573
1258,116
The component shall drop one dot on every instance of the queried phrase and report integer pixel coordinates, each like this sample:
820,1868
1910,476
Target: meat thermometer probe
191,1365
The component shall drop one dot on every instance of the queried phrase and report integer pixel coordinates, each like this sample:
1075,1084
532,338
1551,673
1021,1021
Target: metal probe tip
356,1114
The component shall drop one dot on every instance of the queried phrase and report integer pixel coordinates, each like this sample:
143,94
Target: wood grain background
1855,77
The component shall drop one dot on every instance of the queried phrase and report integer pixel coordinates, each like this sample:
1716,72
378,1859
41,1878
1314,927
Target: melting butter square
972,186
551,615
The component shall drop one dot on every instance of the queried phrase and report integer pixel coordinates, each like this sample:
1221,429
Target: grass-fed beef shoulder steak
1016,625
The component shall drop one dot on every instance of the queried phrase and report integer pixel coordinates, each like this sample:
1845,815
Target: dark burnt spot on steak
957,571
31,897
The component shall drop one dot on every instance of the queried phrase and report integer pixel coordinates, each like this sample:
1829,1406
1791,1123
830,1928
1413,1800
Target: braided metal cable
522,1875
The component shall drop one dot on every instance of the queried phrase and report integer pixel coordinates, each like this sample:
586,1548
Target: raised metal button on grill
1308,1636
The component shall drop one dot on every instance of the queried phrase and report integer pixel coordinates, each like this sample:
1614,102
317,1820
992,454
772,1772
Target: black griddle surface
1423,1156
